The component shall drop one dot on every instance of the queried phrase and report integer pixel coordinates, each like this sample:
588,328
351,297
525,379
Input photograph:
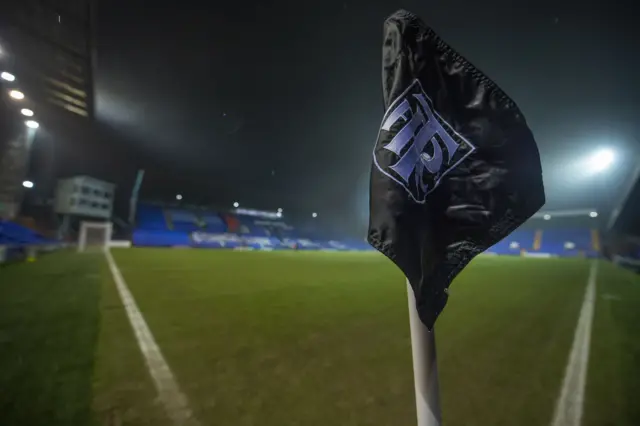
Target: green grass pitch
294,338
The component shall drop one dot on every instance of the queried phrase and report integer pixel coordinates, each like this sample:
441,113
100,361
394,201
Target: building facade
48,46
47,58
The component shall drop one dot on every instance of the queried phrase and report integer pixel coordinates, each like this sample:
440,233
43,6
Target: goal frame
84,228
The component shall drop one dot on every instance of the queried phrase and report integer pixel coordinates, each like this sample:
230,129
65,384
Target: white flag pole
425,367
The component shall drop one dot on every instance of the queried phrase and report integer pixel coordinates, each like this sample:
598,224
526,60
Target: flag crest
455,167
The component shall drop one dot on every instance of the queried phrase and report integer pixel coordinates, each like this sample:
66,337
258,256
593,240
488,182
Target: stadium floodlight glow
179,197
7,76
280,210
314,214
32,124
601,160
279,214
593,214
16,94
27,184
547,217
26,112
236,204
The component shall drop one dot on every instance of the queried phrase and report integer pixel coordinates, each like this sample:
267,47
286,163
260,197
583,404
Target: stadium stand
550,242
152,218
171,227
12,234
213,223
520,239
183,220
17,240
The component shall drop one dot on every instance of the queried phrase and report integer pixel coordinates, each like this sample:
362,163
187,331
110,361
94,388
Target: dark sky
277,104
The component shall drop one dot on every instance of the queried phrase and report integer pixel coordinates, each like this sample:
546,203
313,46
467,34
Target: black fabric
477,176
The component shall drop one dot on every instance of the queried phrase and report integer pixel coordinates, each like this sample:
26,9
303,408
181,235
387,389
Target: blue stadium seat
183,220
13,234
567,241
151,217
179,227
248,226
520,239
160,238
213,223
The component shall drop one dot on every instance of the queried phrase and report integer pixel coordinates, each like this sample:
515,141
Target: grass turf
322,338
613,381
306,338
48,332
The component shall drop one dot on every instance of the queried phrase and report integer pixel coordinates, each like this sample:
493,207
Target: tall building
47,45
46,53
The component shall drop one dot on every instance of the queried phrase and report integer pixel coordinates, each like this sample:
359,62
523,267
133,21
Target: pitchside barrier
230,241
174,239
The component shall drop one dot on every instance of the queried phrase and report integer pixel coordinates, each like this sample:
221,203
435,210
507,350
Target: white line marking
172,398
571,400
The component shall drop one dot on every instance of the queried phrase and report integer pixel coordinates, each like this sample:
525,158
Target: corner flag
455,166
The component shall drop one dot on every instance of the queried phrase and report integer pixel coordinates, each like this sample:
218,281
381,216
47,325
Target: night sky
278,104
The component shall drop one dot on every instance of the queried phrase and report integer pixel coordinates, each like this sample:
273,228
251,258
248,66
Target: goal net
94,236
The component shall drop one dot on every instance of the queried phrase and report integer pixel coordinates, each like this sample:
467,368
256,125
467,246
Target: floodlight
236,204
32,124
17,95
547,217
314,214
601,160
7,76
593,214
27,184
179,197
279,214
26,112
280,210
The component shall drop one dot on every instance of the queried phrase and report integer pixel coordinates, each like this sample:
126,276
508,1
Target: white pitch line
570,403
169,393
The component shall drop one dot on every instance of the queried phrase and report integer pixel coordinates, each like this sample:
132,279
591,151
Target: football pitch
306,338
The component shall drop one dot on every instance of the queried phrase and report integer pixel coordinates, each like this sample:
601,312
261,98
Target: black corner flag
455,166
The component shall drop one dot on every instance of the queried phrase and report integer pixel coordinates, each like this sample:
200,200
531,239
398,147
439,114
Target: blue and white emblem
416,147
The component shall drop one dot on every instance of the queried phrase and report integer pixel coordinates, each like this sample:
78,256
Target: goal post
94,236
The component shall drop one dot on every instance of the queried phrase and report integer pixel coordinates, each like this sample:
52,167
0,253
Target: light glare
16,94
179,197
32,124
236,204
27,184
593,214
7,76
314,214
26,112
547,217
601,160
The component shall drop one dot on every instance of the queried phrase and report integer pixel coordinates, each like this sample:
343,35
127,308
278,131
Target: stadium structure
261,230
552,234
